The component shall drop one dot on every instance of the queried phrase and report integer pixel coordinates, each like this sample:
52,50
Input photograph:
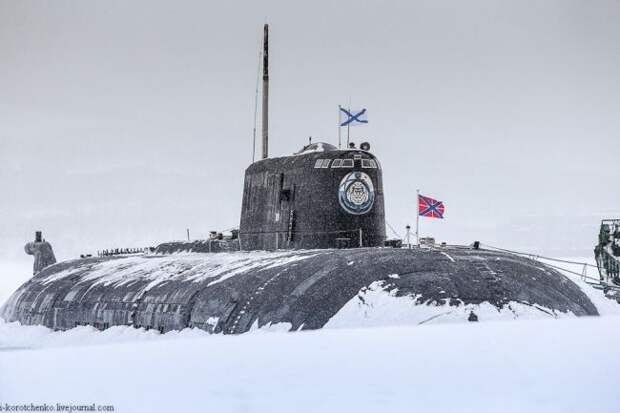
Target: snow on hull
234,293
378,305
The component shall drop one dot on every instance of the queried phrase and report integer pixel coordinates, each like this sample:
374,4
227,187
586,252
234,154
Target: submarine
310,252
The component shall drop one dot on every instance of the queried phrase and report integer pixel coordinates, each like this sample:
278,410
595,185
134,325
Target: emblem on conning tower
356,193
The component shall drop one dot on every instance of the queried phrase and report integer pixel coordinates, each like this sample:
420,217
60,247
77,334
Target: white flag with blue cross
353,117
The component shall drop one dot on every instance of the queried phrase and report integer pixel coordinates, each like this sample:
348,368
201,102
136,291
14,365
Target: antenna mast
260,55
265,106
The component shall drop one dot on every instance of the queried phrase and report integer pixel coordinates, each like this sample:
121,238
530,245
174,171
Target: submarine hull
234,292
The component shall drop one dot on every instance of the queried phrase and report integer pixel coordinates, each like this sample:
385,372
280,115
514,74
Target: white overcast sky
123,123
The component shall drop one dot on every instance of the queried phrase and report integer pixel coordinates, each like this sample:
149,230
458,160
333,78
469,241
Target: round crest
356,193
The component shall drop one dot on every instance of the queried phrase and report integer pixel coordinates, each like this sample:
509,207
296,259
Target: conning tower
321,197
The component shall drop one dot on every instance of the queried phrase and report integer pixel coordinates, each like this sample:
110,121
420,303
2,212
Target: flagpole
417,218
339,139
349,124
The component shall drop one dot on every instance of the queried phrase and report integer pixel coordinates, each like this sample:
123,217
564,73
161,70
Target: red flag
429,207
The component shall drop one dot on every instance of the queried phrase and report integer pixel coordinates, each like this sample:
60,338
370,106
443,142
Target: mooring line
537,257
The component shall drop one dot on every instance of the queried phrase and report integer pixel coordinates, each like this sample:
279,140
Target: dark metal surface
230,292
206,245
289,203
42,252
607,251
265,107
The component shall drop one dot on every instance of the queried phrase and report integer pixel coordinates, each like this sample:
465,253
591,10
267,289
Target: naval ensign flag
350,117
427,207
353,117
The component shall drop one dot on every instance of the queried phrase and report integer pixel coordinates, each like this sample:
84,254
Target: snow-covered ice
549,365
528,366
